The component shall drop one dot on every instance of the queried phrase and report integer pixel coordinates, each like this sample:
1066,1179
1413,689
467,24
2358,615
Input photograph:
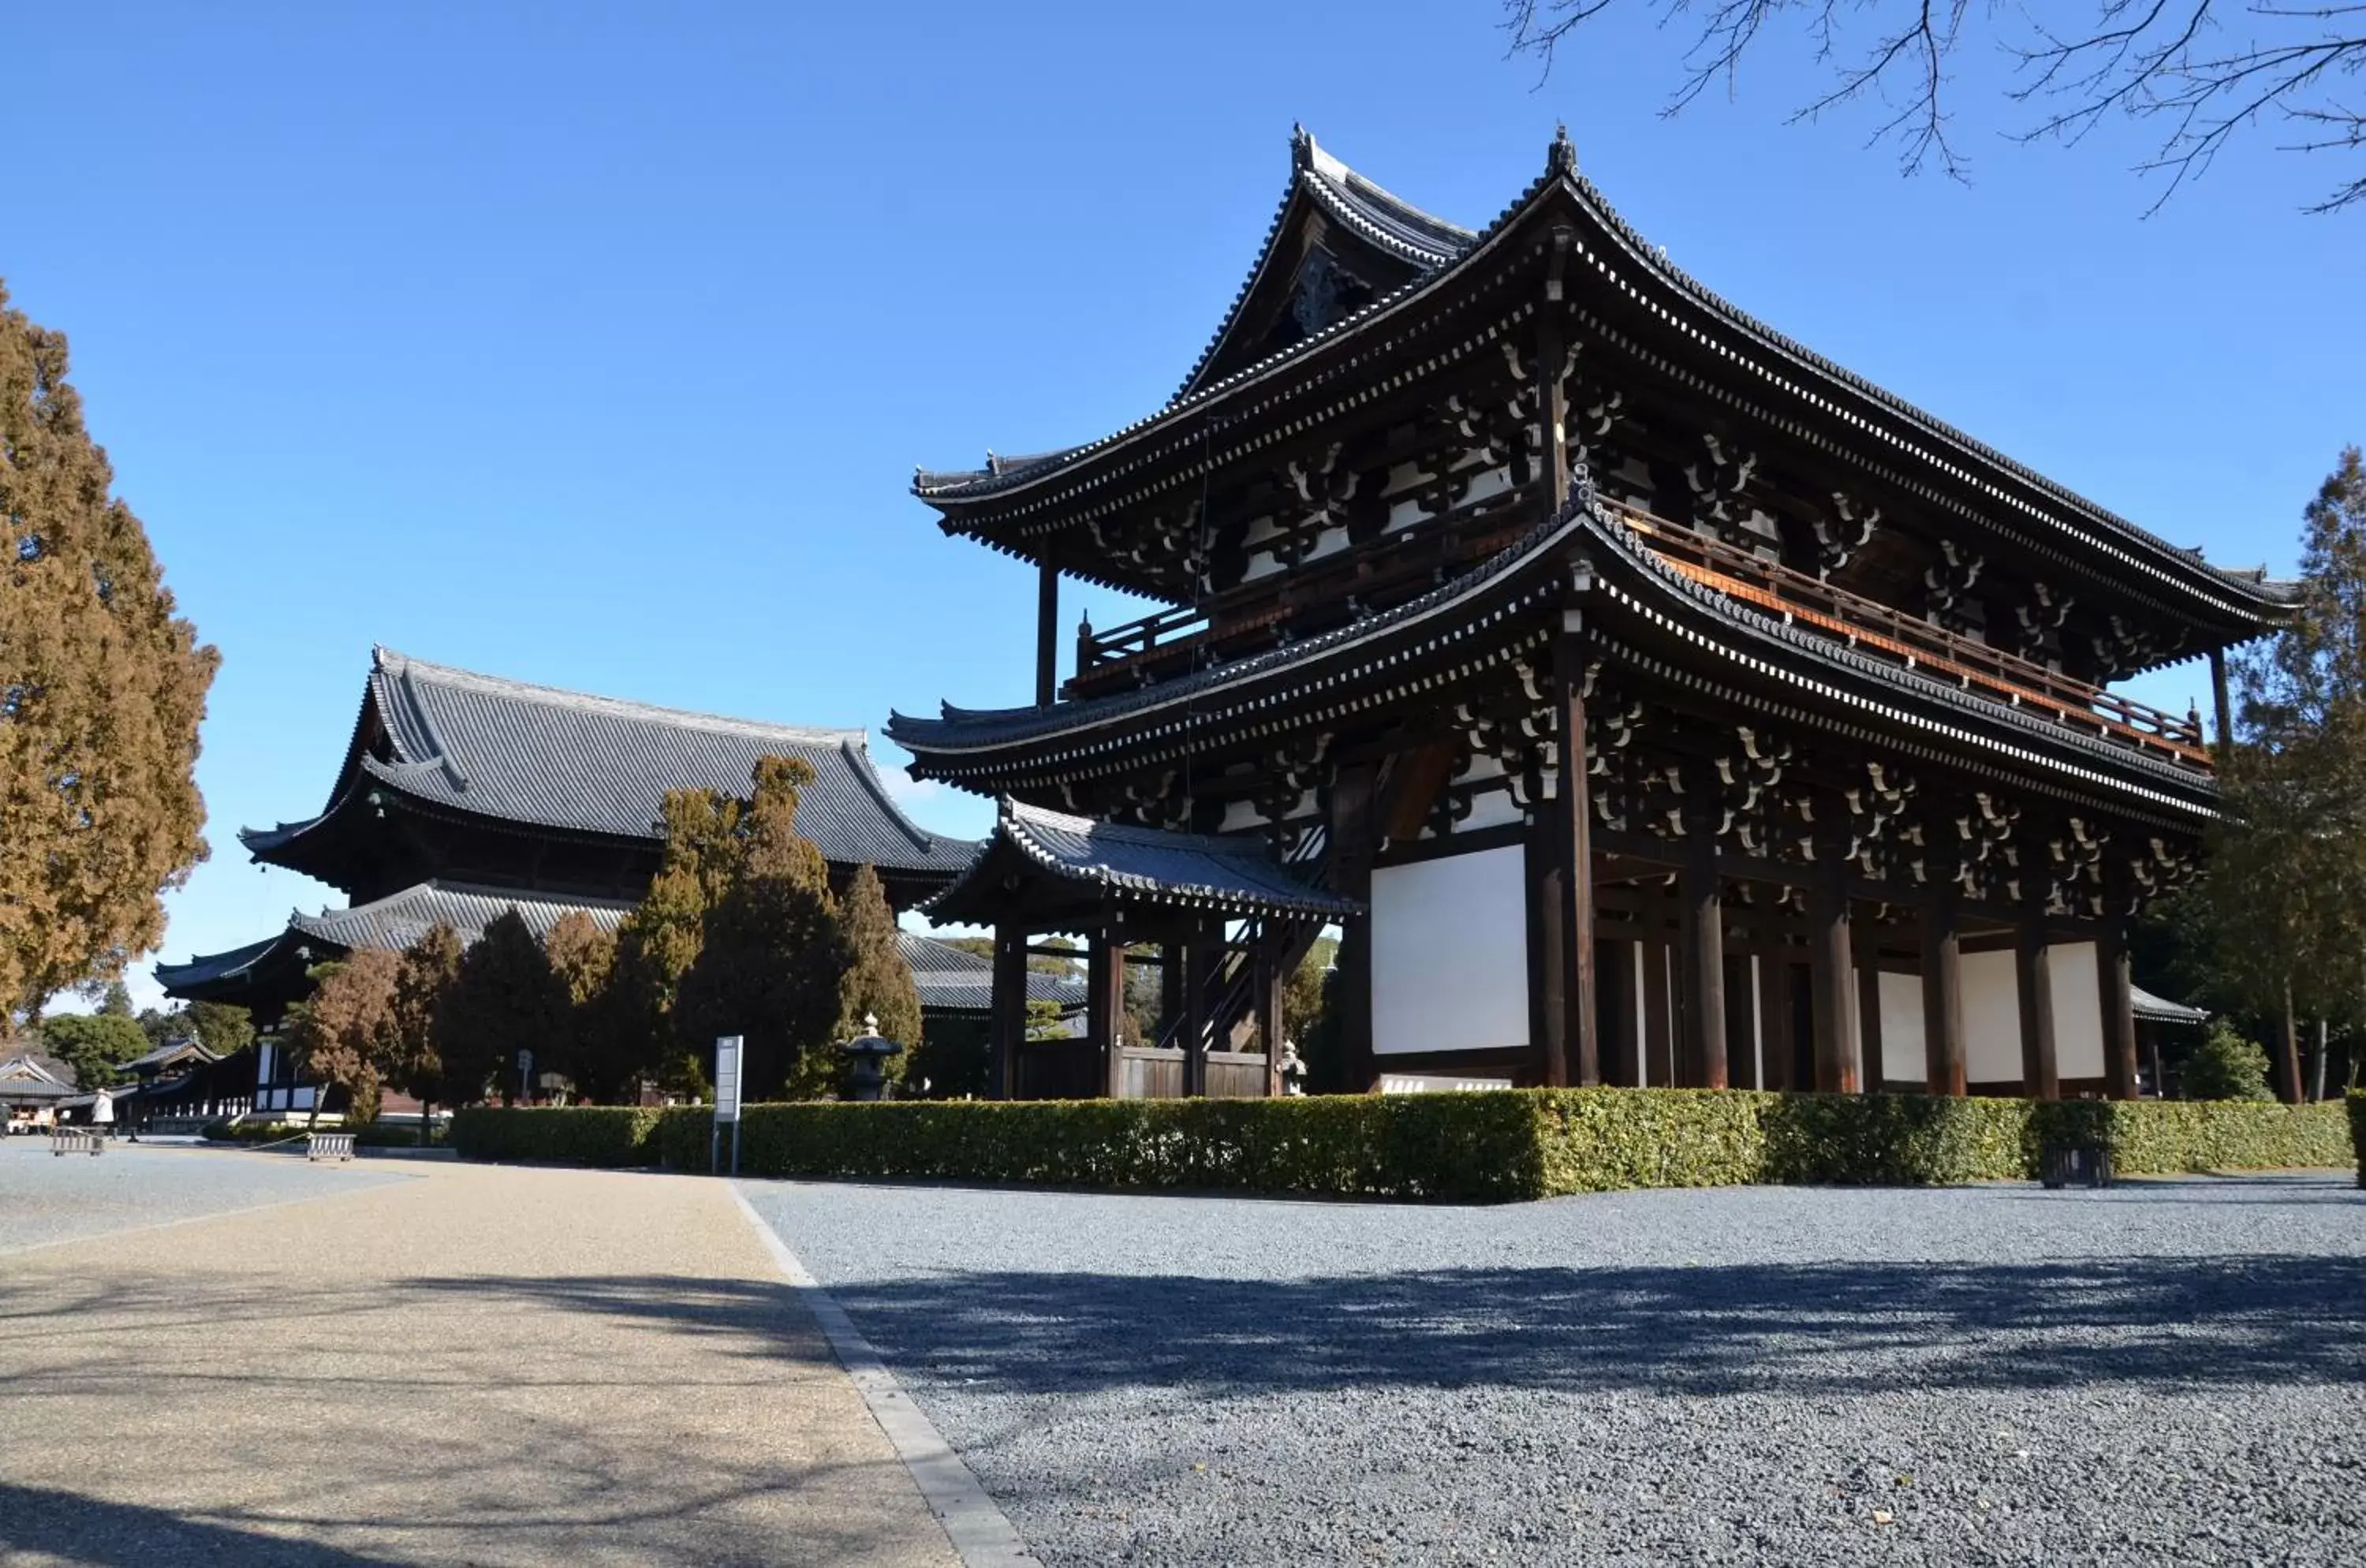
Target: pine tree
102,687
423,988
771,960
505,999
345,1028
583,957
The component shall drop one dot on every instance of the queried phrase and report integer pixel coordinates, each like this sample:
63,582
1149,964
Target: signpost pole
726,1103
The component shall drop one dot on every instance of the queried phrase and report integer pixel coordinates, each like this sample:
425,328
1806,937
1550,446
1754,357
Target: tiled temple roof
1182,870
542,757
1766,354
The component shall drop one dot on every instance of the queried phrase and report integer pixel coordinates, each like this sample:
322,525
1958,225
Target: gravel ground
48,1198
2166,1373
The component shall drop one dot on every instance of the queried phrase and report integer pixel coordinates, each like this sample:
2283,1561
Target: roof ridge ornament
1560,158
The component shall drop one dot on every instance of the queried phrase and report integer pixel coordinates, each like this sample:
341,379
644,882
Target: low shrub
1496,1147
608,1136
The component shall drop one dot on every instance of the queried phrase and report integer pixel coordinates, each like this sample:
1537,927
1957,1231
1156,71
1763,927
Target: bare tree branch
2202,72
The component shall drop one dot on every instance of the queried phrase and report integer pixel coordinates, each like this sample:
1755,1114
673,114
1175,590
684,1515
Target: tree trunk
2287,1062
2316,1065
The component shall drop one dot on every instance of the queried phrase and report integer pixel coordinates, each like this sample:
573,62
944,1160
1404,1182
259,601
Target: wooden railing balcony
1873,627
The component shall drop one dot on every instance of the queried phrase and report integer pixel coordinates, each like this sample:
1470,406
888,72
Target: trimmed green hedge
1496,1147
608,1136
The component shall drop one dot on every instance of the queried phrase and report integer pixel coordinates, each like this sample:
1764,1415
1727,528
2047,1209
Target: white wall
1991,1017
2077,1010
1905,1054
1450,953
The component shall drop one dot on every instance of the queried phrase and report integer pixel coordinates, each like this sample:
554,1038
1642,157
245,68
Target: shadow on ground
121,1535
1835,1328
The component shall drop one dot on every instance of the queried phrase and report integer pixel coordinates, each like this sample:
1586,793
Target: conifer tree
2284,898
770,964
630,1029
878,982
583,957
505,999
221,1027
423,986
102,687
345,1028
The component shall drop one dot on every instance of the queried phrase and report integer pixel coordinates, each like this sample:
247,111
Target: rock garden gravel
2165,1372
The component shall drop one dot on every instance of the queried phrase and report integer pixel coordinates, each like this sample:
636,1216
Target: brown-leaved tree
102,687
345,1028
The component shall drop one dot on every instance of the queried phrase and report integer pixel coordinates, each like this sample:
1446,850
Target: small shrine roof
1152,864
2160,1009
544,757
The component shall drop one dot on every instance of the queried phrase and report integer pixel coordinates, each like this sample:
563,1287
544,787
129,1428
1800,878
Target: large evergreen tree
2284,900
95,1045
504,999
345,1029
583,957
422,987
629,1032
102,687
772,956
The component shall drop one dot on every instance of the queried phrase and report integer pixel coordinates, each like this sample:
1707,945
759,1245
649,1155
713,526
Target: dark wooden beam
1834,994
2041,1076
2221,709
1009,1027
1572,816
2119,1010
1868,1004
1105,1011
1658,1042
1268,978
1740,1023
1624,1061
1351,845
1701,949
1047,632
1943,1000
1412,788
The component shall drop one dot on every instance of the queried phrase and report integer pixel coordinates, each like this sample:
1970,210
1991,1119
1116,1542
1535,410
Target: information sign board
727,1078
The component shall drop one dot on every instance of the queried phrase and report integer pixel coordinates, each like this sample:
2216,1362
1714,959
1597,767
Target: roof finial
1562,157
1301,145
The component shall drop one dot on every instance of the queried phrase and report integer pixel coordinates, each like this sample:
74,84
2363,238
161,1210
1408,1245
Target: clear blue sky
595,345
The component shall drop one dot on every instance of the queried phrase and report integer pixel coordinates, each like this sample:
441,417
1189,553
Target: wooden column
1547,974
1625,1047
1047,634
1741,1022
2221,709
1572,815
1105,1008
1832,990
1268,980
2118,994
1868,1004
1776,1048
2033,977
1700,938
1351,876
1943,993
1658,1008
1198,967
1009,1028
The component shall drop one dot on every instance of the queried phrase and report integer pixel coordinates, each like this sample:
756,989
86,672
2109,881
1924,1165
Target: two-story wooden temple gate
1668,704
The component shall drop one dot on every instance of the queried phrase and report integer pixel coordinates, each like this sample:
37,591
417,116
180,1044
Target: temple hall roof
539,756
1617,263
953,979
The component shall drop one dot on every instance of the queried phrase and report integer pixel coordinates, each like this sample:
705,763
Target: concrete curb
978,1531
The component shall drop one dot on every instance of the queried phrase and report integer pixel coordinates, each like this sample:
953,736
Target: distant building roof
172,1054
539,756
953,979
2162,1011
28,1077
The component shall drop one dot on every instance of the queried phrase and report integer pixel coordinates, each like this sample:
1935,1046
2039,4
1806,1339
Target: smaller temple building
462,796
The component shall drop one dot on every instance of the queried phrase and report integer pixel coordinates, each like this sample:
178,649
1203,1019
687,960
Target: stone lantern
867,1054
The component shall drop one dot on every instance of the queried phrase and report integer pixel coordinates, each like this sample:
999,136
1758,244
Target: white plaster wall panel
1991,1019
1905,1054
2077,1010
1450,953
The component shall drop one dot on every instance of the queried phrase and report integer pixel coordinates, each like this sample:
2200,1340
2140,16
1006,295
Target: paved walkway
464,1366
